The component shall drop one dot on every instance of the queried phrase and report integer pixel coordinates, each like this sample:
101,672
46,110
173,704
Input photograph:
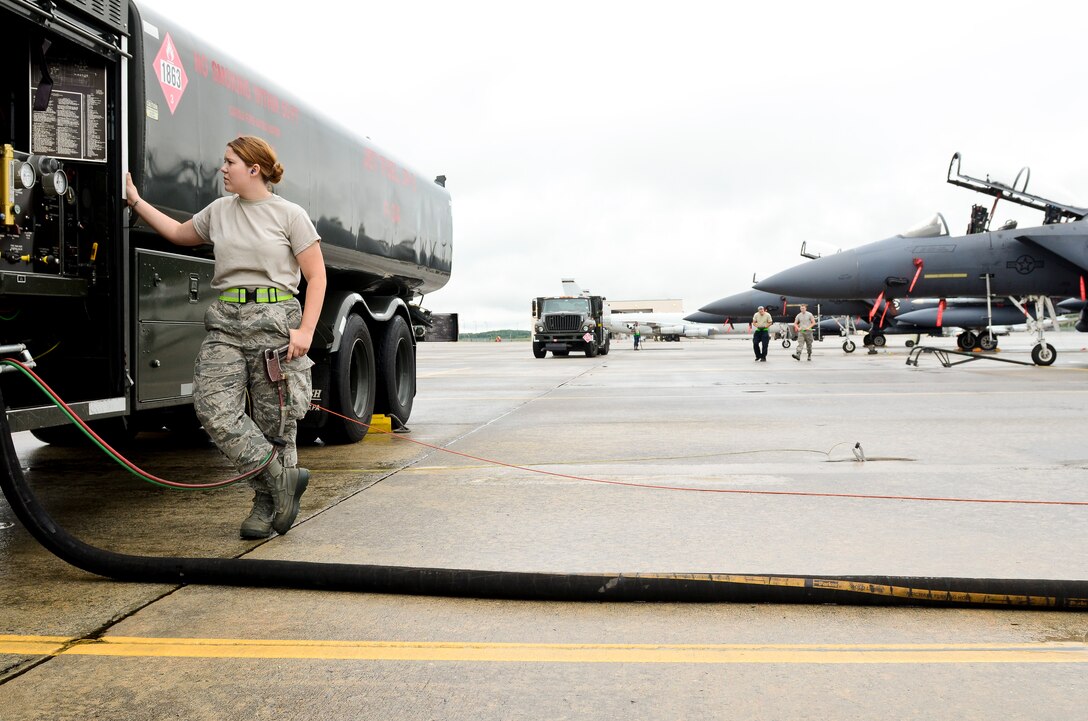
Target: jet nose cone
703,317
741,304
832,276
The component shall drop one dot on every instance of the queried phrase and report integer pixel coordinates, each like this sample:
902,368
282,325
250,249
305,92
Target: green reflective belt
255,295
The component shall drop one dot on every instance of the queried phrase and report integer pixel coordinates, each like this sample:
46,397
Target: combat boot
259,523
287,486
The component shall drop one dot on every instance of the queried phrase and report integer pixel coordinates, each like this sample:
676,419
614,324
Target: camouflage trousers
804,340
230,368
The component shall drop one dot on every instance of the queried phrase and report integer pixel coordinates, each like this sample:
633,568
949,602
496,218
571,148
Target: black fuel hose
671,587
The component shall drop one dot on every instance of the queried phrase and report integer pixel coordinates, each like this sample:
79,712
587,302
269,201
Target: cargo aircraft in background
1027,266
663,326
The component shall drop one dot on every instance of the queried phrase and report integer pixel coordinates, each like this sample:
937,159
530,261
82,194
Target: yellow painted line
119,646
944,275
32,645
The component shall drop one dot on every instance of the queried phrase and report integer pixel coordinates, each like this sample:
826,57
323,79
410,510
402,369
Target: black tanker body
111,313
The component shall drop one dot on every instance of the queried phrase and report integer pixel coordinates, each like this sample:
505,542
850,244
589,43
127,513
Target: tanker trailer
112,314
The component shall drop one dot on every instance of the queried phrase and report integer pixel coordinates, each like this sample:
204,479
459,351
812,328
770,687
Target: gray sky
673,150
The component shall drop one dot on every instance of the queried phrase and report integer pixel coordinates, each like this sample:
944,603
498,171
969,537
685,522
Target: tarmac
684,457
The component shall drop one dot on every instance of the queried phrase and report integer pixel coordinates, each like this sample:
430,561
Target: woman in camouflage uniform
261,243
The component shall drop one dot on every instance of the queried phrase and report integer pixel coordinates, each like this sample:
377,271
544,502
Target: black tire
538,350
1043,354
396,372
785,342
966,340
879,340
987,342
591,349
607,345
910,343
351,385
849,346
867,339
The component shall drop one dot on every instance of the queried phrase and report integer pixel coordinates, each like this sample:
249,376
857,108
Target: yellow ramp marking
32,645
118,646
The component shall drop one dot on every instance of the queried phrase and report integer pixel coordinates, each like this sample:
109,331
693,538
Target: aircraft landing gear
849,346
987,342
966,340
1043,354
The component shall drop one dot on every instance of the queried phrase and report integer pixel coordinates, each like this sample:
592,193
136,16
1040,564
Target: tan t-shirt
256,241
762,320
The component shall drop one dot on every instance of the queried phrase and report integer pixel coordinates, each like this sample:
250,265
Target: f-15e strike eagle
1027,266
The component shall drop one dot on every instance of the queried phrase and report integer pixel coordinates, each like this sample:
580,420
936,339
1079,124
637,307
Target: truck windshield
566,305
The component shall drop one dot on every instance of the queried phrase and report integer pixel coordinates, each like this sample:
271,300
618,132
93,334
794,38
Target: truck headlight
539,327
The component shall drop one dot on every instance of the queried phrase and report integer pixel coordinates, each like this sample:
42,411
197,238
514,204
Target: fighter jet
915,317
1022,264
701,317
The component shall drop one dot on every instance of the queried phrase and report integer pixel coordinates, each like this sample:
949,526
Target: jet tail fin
570,287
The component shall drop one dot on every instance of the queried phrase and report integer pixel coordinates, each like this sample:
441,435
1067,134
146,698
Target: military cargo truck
562,324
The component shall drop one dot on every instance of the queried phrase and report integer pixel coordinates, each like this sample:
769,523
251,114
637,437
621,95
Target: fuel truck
110,314
562,324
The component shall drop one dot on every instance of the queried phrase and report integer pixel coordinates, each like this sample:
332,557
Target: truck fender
338,306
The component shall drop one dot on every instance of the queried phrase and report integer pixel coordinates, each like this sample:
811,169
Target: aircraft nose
701,316
830,276
738,304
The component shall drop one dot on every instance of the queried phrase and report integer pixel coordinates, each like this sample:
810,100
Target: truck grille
563,322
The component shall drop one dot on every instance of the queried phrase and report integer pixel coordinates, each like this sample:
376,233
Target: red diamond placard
171,72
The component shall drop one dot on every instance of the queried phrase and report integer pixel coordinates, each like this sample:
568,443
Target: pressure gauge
55,183
25,177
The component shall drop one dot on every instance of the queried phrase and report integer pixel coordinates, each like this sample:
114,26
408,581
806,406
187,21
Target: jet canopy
932,228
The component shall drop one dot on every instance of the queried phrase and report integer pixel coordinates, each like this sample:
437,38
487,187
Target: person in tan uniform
263,246
761,334
803,323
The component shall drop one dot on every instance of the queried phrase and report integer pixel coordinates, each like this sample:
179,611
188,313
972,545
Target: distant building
669,305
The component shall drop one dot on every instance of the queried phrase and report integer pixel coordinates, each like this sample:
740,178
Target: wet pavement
730,466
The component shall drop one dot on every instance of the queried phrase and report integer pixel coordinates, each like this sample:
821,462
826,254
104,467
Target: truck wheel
538,350
607,345
591,349
397,377
351,387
